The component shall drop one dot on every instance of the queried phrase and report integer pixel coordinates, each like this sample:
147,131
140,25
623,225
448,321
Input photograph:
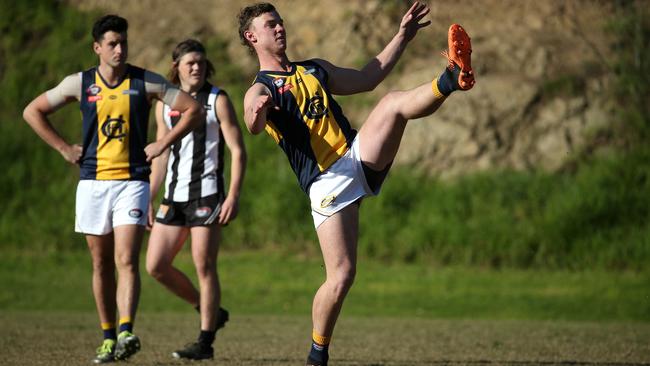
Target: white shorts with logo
104,204
340,185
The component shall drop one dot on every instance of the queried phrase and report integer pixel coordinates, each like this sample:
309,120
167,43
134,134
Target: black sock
110,333
319,354
206,337
128,326
448,81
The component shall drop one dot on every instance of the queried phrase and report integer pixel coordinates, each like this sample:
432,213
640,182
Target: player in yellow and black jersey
113,192
310,126
115,121
335,166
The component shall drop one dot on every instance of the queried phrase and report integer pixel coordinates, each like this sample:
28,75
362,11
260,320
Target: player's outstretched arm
344,81
257,101
36,112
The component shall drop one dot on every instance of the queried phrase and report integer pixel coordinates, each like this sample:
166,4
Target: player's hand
153,150
72,153
256,115
262,103
150,217
229,210
411,21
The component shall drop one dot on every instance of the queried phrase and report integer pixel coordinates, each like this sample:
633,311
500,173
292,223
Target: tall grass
632,68
592,216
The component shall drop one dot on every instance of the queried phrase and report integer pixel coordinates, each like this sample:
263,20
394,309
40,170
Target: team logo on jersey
94,89
328,200
282,87
113,128
202,212
136,213
112,97
92,92
316,108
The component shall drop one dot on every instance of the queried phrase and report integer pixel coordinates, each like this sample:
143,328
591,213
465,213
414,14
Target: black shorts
375,178
201,212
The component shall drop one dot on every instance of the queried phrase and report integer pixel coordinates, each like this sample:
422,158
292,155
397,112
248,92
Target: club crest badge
94,89
93,92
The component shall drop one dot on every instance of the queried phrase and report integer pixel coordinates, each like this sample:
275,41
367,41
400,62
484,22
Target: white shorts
105,204
340,185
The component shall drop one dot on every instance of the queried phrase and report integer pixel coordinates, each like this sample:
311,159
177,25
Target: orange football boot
460,54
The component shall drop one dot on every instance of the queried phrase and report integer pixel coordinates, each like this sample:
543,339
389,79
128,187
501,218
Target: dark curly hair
109,23
246,16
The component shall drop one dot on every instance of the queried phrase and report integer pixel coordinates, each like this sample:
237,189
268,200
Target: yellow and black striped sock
109,331
318,354
436,90
126,324
447,82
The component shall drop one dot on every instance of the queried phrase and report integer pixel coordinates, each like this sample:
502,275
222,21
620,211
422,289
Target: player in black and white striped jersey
195,202
195,165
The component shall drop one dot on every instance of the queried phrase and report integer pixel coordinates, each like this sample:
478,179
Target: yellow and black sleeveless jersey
310,126
115,122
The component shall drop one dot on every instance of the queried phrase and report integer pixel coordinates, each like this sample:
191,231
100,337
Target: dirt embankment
541,68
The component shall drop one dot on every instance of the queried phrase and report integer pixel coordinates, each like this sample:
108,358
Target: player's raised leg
381,134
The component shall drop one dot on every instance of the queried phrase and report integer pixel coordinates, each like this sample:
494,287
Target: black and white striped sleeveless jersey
195,166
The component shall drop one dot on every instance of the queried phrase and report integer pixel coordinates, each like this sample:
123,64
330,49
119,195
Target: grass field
395,314
60,338
257,282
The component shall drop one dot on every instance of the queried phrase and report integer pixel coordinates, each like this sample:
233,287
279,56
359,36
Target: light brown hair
246,16
183,48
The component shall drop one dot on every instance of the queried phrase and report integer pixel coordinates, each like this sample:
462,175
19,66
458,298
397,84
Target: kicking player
195,201
113,191
336,165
